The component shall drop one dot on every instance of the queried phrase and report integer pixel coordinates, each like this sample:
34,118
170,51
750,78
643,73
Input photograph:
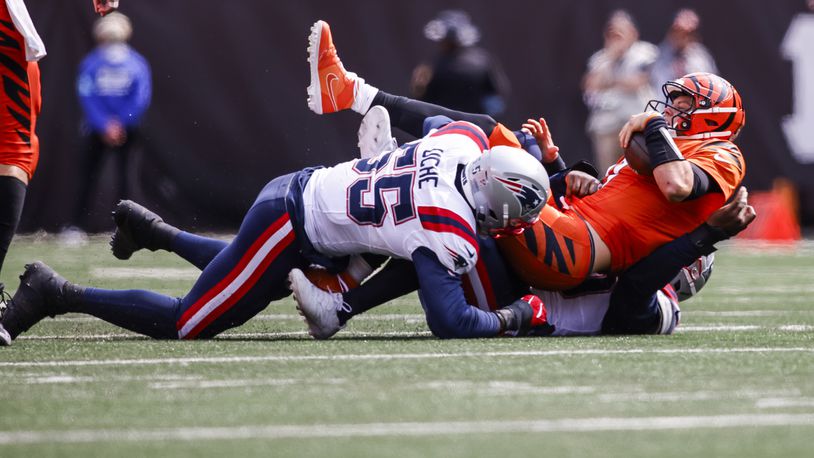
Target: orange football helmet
716,112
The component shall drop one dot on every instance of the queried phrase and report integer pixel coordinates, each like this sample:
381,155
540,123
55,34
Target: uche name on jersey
428,167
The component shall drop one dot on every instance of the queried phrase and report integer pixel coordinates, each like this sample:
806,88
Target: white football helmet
507,188
692,278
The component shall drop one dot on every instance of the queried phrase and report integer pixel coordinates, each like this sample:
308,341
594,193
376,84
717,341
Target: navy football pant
240,280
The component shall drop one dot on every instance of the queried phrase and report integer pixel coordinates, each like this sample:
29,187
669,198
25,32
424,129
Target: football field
737,378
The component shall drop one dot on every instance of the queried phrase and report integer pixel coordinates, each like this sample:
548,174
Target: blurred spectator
463,77
114,87
681,52
616,85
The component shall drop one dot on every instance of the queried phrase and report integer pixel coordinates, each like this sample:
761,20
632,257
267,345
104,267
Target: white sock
363,98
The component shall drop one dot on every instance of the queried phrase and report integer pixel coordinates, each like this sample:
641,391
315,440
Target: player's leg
249,273
640,302
137,228
239,283
43,292
12,198
334,89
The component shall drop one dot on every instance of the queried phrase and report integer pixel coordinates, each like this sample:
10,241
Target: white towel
34,47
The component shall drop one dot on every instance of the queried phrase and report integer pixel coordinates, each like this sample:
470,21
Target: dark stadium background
229,109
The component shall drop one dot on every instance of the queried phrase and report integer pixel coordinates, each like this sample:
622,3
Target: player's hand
522,315
580,184
636,123
115,134
105,6
735,215
542,134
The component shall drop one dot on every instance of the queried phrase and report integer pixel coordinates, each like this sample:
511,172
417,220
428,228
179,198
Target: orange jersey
632,216
20,99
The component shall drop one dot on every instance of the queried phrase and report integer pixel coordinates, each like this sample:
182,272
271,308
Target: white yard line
745,313
408,317
695,395
395,356
720,327
411,429
784,403
153,273
228,335
379,334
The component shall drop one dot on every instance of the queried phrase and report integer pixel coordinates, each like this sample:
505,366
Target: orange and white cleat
332,88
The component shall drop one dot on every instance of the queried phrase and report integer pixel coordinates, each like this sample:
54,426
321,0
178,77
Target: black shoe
41,294
137,228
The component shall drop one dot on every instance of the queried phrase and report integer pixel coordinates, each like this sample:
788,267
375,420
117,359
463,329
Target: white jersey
399,201
34,47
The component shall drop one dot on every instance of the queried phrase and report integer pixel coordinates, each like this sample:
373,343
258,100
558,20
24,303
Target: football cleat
669,310
332,88
41,294
137,228
317,306
375,135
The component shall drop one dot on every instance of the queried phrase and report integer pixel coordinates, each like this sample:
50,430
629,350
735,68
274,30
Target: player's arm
448,314
630,310
677,178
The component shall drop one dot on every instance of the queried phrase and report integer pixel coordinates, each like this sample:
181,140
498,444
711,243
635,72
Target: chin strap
705,135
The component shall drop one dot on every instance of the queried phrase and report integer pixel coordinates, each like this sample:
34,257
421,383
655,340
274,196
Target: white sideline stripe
235,284
395,356
156,273
411,429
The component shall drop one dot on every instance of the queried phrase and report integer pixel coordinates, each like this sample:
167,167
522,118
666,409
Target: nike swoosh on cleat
330,79
539,312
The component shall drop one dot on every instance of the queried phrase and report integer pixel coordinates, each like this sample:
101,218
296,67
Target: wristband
660,144
705,237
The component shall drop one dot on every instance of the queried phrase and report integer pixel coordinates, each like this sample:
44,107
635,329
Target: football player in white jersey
425,202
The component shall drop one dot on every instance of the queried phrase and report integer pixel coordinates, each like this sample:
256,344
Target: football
637,156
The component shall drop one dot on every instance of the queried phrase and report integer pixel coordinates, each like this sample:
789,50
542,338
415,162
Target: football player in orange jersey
696,168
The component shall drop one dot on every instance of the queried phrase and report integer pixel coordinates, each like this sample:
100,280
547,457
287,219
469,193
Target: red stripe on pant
230,277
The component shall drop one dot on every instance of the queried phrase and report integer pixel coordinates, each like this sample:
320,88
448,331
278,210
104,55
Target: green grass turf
736,380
